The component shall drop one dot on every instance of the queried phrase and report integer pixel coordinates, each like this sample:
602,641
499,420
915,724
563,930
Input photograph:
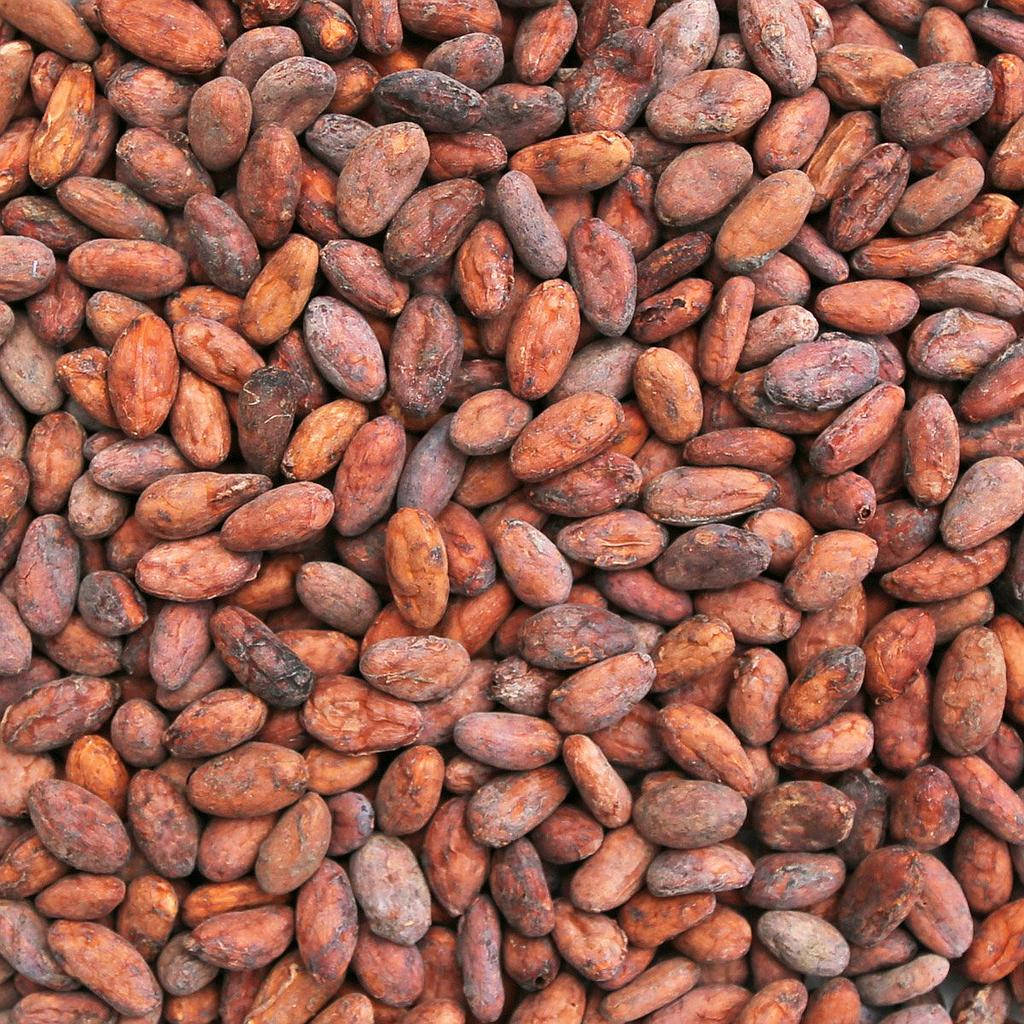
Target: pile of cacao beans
509,511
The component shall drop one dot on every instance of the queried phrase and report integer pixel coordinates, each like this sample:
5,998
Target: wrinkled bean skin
510,511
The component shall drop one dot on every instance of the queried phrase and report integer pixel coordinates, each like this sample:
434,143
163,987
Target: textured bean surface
510,511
